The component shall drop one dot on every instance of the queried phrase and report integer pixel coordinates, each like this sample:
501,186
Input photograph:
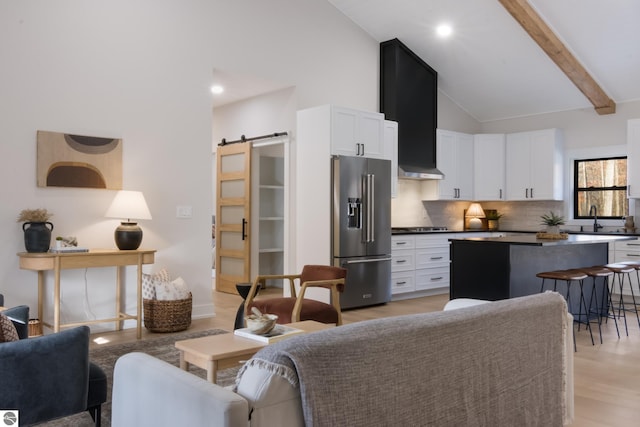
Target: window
601,183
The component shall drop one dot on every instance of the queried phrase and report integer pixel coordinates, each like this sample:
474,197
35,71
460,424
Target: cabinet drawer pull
633,255
433,279
400,261
436,257
401,283
401,243
633,244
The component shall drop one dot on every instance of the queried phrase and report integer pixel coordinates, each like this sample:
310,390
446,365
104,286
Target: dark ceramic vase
37,236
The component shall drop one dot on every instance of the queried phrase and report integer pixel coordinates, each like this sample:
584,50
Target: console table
42,262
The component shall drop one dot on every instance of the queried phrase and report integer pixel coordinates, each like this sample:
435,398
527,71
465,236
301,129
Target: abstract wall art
67,160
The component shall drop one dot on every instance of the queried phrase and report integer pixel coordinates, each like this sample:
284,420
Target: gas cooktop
429,229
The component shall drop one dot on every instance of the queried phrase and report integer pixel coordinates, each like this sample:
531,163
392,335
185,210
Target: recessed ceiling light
444,30
217,89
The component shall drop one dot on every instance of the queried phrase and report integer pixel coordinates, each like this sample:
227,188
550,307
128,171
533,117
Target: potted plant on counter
37,234
553,222
493,219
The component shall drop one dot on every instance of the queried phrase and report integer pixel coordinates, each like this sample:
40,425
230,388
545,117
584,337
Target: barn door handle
244,226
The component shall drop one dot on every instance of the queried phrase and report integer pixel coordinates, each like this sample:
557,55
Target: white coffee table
216,352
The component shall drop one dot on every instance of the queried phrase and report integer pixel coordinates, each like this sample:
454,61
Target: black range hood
409,96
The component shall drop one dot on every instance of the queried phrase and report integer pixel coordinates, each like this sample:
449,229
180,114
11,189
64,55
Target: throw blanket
498,364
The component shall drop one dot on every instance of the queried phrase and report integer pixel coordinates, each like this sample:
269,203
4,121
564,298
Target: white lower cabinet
628,250
403,264
419,263
432,261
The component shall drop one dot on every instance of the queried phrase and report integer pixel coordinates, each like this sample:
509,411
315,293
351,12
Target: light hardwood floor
607,376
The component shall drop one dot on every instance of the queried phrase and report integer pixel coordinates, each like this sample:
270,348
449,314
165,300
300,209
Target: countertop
576,233
531,239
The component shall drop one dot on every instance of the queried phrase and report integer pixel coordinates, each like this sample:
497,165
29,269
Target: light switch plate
184,211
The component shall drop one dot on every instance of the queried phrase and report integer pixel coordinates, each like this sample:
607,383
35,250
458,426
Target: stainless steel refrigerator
361,228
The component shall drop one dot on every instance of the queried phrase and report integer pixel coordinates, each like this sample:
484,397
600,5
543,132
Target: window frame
577,190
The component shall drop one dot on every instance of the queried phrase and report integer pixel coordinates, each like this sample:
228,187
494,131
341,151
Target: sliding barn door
233,213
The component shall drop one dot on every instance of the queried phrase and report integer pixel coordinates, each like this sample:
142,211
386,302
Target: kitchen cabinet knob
400,261
436,257
433,279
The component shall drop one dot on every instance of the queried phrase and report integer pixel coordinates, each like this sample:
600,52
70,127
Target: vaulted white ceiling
493,70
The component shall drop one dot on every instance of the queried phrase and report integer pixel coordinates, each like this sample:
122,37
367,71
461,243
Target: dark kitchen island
496,268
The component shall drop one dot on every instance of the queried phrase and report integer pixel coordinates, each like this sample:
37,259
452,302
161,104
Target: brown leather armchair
297,308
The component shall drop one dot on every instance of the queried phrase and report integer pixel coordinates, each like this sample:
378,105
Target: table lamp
475,212
130,205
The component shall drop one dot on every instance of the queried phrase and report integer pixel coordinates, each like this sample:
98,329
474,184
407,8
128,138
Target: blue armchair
50,377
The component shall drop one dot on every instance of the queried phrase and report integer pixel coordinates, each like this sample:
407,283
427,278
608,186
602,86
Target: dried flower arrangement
34,215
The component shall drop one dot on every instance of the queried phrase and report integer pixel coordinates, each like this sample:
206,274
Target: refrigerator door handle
361,261
370,209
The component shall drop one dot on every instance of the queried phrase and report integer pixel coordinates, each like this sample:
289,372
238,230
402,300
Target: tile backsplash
409,210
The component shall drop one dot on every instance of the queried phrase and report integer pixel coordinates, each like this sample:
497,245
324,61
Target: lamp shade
475,211
129,205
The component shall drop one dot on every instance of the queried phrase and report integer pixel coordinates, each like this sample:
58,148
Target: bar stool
621,270
570,276
636,265
602,306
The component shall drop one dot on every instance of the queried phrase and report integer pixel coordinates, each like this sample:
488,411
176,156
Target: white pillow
168,291
149,283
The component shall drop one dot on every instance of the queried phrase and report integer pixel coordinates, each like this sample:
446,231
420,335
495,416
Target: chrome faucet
596,226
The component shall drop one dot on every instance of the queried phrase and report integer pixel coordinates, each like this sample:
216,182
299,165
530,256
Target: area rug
162,348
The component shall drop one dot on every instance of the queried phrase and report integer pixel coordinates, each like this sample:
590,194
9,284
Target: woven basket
167,316
35,328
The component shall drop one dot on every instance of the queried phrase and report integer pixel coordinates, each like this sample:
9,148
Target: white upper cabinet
454,158
357,133
489,168
534,165
633,158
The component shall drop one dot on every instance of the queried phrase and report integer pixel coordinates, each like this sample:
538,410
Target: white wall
581,128
141,71
452,117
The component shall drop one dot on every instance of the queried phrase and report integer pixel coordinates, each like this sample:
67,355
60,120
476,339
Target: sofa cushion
8,332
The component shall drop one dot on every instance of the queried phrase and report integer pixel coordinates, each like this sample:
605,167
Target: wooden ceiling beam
540,32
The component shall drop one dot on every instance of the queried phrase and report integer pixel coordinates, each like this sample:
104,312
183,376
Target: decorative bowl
261,324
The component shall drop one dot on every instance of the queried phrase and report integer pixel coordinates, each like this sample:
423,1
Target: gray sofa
504,363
